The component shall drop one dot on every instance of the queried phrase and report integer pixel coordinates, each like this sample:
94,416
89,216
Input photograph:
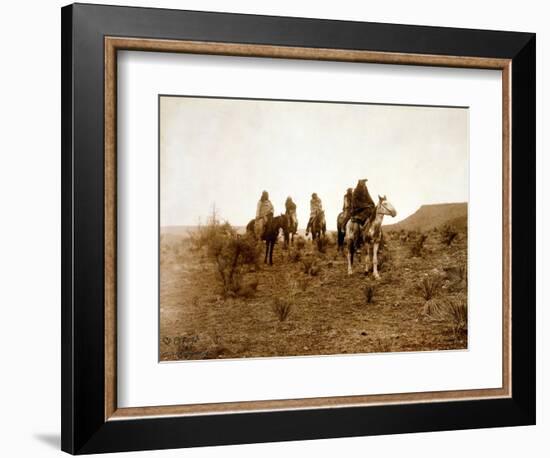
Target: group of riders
358,204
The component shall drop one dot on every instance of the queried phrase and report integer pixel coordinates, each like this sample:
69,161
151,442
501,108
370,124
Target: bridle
380,206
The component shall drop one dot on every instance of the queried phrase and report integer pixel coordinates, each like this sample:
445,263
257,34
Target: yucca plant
281,309
429,287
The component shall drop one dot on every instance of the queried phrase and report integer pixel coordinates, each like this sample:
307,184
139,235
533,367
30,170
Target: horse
292,227
271,234
341,230
318,226
370,234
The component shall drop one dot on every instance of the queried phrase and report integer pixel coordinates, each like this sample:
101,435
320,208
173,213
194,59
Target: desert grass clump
429,287
281,309
451,310
369,294
448,235
417,249
458,315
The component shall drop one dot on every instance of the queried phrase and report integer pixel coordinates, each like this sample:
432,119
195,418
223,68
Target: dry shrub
210,236
299,243
448,234
322,244
281,309
451,310
429,287
230,252
418,246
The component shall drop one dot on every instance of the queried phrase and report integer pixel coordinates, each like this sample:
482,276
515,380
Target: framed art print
280,228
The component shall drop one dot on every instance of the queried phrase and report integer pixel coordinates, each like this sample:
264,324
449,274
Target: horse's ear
385,197
379,198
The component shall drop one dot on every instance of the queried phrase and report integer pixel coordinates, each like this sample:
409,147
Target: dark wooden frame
90,422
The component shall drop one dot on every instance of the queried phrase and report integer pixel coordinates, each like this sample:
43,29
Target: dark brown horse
271,234
318,226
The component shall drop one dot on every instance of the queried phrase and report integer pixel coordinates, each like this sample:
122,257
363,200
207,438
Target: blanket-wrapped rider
315,207
264,213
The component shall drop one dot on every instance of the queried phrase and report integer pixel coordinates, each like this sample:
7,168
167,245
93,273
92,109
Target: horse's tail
341,238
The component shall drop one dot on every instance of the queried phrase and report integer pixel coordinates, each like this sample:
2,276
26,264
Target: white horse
369,234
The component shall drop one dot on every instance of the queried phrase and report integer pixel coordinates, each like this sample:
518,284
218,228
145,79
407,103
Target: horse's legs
271,246
368,256
351,249
375,260
266,251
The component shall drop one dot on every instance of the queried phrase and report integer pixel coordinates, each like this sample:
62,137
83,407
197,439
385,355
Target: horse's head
385,207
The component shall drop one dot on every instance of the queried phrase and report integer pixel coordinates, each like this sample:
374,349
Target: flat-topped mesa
434,215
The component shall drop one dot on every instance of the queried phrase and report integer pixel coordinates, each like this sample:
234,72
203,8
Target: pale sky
226,152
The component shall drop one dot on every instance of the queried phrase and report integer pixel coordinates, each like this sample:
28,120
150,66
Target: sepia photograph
311,228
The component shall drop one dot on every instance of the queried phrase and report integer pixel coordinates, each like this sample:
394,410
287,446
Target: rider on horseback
290,207
346,209
362,204
316,207
264,214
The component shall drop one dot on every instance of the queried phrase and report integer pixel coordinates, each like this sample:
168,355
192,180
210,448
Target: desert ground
306,304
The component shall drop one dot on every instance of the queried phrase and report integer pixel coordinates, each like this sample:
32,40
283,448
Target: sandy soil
329,312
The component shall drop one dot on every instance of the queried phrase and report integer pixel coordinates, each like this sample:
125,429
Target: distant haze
225,152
